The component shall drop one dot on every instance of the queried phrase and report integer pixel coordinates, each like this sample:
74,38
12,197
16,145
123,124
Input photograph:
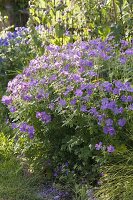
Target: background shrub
67,21
16,50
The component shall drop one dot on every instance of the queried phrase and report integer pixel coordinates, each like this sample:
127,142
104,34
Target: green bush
65,110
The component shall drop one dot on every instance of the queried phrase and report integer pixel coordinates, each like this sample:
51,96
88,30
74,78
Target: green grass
14,185
117,182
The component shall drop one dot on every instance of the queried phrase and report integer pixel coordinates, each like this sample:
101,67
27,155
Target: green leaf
59,30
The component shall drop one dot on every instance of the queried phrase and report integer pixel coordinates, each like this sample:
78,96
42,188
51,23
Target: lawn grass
14,185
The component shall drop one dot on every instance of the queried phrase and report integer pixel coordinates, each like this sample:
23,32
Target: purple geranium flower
83,108
121,122
129,98
14,125
31,131
89,92
116,91
107,86
40,95
73,102
126,98
51,106
110,149
93,111
23,127
124,42
85,63
111,105
130,107
46,118
109,130
100,118
53,77
123,98
118,110
67,164
27,97
98,146
12,109
129,52
77,78
123,60
55,174
7,100
83,86
43,116
78,92
109,122
92,73
62,102
105,102
119,84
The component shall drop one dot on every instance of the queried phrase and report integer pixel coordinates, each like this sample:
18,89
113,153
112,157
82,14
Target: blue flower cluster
66,82
18,36
25,128
49,192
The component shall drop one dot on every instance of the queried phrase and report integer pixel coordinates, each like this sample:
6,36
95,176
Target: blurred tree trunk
9,7
17,16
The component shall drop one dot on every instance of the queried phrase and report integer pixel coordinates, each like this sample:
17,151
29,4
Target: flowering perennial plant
16,50
17,36
65,101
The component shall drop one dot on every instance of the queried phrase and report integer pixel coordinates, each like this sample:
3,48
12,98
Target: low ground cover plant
71,109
